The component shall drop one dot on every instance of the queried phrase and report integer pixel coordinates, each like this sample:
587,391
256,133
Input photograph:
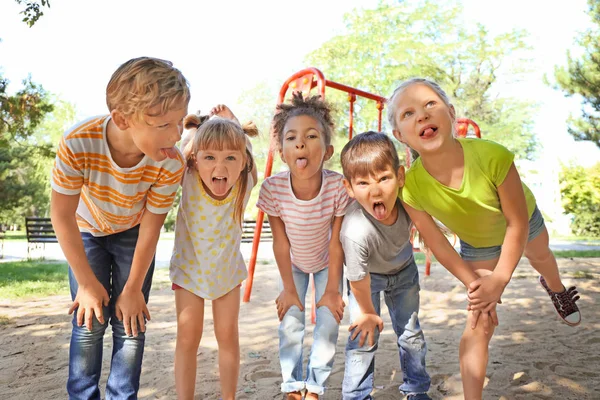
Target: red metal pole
379,111
351,99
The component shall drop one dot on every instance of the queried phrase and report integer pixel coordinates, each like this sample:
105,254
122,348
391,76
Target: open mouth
219,185
301,162
428,132
379,210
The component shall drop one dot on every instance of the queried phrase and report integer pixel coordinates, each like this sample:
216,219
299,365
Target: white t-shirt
206,258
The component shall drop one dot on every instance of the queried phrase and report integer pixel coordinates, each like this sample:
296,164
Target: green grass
576,253
4,320
11,236
33,279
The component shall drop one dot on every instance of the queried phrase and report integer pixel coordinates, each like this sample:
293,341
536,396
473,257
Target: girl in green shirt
472,187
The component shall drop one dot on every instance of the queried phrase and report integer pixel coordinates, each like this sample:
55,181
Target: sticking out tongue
301,163
219,186
428,133
379,210
169,153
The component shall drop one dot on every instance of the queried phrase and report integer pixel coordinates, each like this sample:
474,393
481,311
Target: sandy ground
532,355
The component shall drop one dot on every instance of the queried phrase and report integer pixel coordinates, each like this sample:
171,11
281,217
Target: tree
581,77
393,42
33,10
24,152
580,189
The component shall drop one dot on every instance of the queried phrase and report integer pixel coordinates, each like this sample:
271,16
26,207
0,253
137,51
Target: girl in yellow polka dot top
206,261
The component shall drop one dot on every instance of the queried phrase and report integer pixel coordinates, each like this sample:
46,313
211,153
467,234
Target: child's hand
88,302
487,315
333,301
365,326
486,289
222,110
285,301
131,309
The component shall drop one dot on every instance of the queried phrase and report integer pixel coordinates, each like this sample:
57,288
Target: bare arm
63,210
281,249
336,257
439,245
131,306
489,289
91,295
362,293
332,298
514,208
366,323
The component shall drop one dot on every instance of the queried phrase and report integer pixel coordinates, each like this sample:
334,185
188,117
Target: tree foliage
33,10
395,41
580,189
27,136
581,77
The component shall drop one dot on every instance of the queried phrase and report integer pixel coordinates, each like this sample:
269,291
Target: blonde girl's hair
221,134
145,83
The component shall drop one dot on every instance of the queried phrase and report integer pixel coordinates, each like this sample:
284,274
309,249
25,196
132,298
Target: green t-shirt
473,211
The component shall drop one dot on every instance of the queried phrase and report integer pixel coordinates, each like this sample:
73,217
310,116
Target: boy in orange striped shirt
113,182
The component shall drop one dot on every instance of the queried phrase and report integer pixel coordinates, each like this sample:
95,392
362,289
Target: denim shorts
470,253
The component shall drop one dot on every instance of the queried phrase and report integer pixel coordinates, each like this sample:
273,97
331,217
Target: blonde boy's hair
368,153
221,134
144,83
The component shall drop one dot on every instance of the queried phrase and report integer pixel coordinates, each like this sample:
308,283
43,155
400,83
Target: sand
532,355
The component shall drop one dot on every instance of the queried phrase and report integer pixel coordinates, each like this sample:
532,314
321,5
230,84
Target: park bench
248,228
39,232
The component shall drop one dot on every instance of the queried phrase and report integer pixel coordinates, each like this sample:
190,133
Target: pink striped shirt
307,222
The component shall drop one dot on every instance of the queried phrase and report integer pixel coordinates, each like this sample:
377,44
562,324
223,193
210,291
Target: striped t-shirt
307,222
112,199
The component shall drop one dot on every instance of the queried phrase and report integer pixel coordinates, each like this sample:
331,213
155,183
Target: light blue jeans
110,258
291,337
401,293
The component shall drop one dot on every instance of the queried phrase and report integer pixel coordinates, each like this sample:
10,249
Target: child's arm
440,247
489,288
366,323
223,111
91,295
131,306
332,298
281,249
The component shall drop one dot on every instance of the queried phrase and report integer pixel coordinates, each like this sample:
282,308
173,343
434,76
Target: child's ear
401,176
328,153
120,120
452,113
282,157
397,135
348,187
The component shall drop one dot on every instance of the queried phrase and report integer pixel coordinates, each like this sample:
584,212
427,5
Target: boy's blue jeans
110,258
401,293
291,337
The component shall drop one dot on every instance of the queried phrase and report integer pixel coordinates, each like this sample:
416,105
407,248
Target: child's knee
189,338
478,334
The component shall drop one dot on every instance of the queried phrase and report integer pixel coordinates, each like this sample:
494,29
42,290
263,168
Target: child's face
423,120
219,170
303,148
156,136
377,193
